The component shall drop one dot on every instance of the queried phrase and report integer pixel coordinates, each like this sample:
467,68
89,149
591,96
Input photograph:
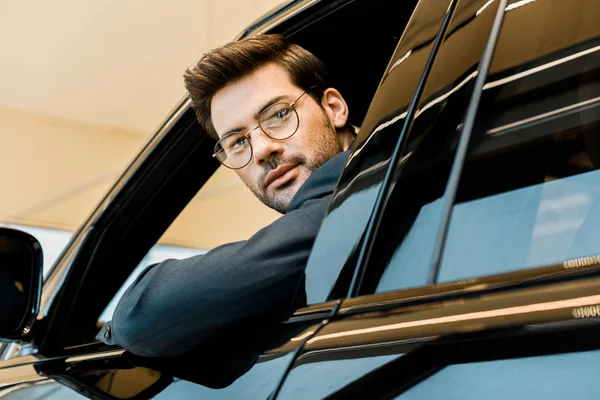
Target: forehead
237,103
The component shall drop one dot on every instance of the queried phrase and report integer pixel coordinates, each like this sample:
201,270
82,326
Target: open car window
212,218
381,25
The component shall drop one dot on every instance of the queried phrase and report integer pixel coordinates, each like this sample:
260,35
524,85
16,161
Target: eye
282,114
278,116
241,141
235,144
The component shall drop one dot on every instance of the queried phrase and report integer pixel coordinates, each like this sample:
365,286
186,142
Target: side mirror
20,283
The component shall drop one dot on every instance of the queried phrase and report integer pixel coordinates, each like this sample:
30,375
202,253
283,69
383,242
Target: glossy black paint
538,116
536,348
418,340
466,130
225,368
381,24
532,88
165,176
375,346
569,270
28,271
368,370
346,226
420,178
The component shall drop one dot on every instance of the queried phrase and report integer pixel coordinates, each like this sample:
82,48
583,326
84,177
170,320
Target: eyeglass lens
279,121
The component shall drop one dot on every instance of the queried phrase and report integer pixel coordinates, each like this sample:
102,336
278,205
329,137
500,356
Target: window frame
83,281
433,289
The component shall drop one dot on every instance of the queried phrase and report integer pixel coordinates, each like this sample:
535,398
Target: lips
280,175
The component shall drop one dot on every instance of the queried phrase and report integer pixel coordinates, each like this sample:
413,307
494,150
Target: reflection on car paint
403,258
257,383
319,379
573,376
524,228
369,161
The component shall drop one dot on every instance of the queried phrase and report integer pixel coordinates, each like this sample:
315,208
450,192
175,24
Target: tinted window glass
338,243
529,195
553,377
402,251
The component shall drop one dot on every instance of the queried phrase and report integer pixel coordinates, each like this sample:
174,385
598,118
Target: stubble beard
327,145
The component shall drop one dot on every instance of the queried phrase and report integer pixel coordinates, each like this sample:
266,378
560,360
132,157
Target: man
280,127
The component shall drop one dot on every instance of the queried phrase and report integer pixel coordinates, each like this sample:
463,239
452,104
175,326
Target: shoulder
322,182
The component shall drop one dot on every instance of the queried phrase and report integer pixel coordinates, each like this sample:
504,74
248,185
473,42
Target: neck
346,138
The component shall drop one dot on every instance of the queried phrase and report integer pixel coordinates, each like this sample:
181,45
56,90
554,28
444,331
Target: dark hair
226,64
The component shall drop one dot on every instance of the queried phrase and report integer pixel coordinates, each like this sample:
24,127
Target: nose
265,148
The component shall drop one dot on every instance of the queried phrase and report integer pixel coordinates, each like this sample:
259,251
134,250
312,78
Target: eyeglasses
278,121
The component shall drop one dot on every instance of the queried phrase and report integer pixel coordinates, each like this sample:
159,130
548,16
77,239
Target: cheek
247,176
313,130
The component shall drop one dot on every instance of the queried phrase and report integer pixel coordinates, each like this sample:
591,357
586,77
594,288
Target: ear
336,107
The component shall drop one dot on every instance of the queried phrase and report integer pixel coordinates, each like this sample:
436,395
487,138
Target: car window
556,376
188,235
425,156
529,196
528,193
334,256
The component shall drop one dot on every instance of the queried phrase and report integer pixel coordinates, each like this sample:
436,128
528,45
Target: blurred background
83,86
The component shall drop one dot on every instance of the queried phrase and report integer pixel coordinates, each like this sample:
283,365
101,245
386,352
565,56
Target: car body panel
338,244
402,344
356,338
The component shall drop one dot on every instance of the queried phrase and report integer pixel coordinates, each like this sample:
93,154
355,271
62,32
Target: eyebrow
268,104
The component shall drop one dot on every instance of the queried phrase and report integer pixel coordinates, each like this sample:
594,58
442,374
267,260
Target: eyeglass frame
247,134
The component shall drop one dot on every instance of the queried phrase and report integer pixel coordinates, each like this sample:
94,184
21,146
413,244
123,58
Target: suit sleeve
175,305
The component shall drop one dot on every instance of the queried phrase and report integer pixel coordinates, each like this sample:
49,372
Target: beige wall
110,63
223,211
55,170
83,85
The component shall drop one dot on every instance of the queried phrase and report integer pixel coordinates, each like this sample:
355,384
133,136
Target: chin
285,194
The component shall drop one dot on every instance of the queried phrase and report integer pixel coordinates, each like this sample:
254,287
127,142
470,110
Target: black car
459,257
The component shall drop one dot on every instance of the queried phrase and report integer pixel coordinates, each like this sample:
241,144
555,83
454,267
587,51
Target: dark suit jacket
175,305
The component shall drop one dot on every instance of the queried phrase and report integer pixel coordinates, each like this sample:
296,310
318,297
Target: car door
117,242
67,361
480,276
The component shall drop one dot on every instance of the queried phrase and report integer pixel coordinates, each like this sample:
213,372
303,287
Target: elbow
131,332
141,332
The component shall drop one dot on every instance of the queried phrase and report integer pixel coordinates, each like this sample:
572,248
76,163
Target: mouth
281,175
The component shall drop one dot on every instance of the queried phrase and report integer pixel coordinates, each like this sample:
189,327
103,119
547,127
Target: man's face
278,167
